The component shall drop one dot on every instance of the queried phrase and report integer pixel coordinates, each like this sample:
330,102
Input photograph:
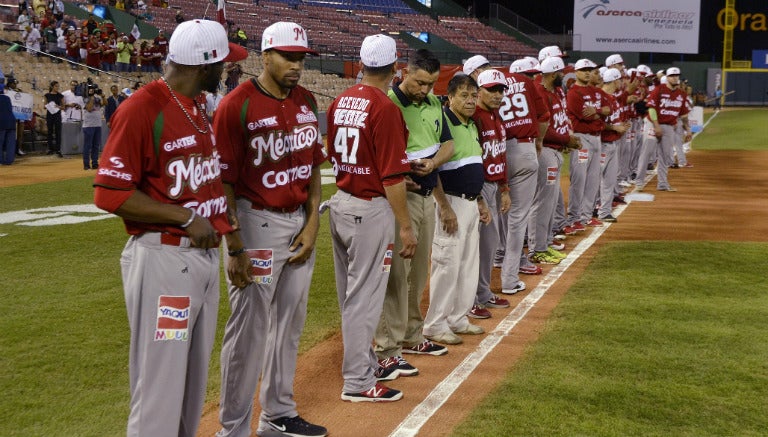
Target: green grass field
688,358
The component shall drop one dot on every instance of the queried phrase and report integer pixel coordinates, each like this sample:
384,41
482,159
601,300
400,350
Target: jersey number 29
341,144
513,106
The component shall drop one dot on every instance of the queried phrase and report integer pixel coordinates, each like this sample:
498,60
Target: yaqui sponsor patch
172,318
261,265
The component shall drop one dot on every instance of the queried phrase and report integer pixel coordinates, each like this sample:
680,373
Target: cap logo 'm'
299,33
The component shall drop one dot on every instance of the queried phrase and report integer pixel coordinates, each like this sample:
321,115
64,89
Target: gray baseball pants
261,337
489,242
522,167
545,201
172,299
363,235
661,148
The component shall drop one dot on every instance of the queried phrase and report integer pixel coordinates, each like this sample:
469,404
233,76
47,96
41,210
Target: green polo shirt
463,173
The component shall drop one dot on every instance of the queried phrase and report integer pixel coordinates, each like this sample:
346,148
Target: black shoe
95,166
291,426
20,152
86,168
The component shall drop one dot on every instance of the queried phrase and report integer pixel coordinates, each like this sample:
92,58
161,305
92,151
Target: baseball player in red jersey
666,103
616,125
525,118
586,106
559,137
493,139
161,172
368,135
271,149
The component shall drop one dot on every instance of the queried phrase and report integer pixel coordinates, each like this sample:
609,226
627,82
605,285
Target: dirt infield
720,199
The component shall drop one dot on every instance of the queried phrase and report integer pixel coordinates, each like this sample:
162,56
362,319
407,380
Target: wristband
236,252
190,220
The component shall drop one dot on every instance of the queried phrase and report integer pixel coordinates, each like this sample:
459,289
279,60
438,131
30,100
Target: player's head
673,77
378,54
199,48
284,45
552,70
615,61
611,77
462,96
584,69
423,71
492,85
475,65
549,52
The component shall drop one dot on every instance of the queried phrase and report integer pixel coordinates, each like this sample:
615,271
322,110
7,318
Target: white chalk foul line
411,425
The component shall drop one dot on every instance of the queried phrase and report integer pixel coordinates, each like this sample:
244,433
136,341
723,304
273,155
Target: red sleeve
686,104
574,104
542,109
389,143
230,137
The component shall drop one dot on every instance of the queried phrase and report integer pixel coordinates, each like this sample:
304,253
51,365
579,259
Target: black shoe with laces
290,426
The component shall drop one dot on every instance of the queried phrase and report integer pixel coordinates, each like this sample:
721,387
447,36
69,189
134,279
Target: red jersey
111,57
493,138
580,97
73,47
558,132
93,59
162,43
522,108
269,146
618,116
368,134
669,104
153,148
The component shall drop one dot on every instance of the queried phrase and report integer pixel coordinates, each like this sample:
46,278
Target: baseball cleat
479,312
405,368
470,329
426,348
557,245
387,370
594,222
556,253
519,286
445,338
544,258
377,393
670,189
609,218
497,302
530,269
290,426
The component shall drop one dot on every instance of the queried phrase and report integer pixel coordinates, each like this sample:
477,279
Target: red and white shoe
377,393
578,227
530,269
479,312
594,223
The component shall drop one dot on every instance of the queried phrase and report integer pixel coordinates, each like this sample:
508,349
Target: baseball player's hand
448,219
202,233
485,214
574,142
657,131
688,137
239,270
409,243
506,202
588,112
423,167
303,244
410,185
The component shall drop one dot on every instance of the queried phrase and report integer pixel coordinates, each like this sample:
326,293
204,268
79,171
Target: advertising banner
657,26
22,104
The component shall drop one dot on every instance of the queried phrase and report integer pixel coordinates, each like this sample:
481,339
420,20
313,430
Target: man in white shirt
73,105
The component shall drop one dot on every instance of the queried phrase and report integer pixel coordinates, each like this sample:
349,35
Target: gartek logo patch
261,265
172,318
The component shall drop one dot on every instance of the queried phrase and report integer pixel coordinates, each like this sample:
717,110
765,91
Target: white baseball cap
613,60
473,63
583,64
673,71
200,42
663,80
378,51
286,37
491,78
552,64
527,64
611,74
602,70
644,69
550,51
127,92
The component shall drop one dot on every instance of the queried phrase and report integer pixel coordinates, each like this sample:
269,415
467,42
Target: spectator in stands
58,9
157,58
109,54
92,116
39,7
73,48
54,104
179,17
7,129
23,7
120,5
93,47
124,51
23,19
51,41
84,38
242,38
91,24
212,101
113,102
32,39
234,71
145,57
162,43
